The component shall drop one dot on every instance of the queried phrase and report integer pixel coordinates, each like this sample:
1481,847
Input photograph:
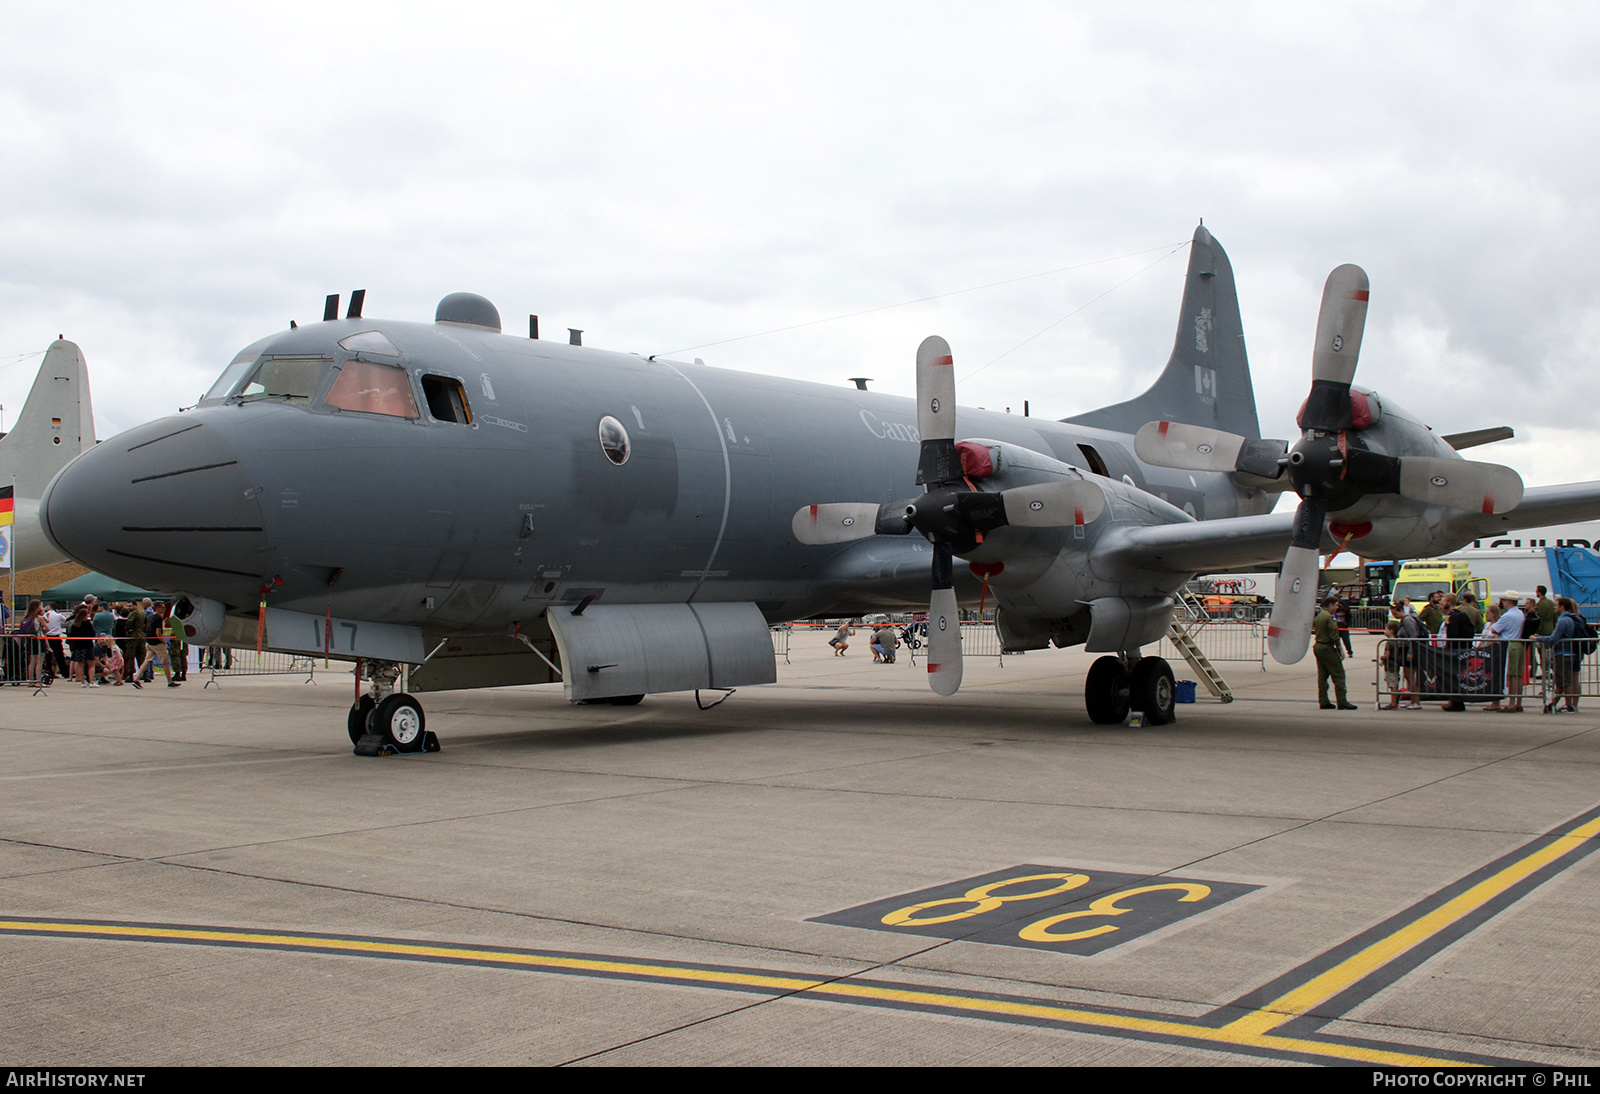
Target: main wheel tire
1105,692
358,717
625,700
1152,691
398,720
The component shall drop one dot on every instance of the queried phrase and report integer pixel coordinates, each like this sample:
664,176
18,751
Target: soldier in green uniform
1545,608
1431,616
1330,657
1469,605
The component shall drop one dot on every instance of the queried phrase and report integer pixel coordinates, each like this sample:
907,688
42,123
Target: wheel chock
374,744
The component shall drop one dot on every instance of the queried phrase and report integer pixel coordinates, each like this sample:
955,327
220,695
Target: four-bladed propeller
950,513
1332,466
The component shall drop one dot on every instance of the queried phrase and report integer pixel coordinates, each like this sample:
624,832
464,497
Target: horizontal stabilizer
1472,438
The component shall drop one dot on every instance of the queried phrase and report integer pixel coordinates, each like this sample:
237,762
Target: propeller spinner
950,513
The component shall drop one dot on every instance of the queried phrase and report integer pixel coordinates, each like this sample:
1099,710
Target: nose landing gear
385,720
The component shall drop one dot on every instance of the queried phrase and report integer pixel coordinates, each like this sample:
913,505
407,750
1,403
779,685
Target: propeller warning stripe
1360,294
942,361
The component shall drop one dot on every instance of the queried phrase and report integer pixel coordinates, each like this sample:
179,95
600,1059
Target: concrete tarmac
841,868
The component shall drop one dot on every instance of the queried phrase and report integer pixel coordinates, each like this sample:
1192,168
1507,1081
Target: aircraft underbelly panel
640,649
302,632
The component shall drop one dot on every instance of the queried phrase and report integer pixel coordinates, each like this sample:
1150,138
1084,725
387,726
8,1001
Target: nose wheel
385,720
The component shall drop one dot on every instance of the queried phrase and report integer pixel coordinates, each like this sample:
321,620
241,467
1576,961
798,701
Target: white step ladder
1179,636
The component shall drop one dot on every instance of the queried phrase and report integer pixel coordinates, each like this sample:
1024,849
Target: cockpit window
293,379
373,389
370,341
447,399
232,374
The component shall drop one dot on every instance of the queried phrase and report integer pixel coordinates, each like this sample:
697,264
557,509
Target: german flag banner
7,505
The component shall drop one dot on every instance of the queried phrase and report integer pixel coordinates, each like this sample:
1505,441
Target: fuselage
482,493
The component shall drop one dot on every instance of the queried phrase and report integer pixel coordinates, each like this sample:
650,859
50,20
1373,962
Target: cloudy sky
180,180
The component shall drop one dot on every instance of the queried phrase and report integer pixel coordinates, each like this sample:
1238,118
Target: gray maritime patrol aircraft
454,507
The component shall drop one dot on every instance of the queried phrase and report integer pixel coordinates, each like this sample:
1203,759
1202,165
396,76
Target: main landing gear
1113,689
385,720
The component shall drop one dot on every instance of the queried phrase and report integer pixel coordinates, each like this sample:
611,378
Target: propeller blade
936,413
1289,629
1053,504
836,522
1340,323
1187,447
1195,448
944,627
1460,484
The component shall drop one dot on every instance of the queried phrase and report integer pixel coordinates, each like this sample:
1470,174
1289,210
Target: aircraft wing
1540,506
1204,546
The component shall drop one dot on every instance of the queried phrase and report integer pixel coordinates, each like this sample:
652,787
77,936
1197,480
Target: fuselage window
293,379
447,399
614,440
373,389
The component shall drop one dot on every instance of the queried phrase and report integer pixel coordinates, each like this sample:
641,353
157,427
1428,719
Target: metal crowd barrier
1222,640
15,653
1475,670
222,663
981,640
978,639
780,641
1369,618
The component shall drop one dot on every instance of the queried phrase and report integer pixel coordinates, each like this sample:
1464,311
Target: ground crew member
1330,657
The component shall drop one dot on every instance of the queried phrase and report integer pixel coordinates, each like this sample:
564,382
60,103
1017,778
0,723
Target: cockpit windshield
292,379
233,373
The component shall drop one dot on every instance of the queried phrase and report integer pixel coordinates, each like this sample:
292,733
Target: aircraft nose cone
166,506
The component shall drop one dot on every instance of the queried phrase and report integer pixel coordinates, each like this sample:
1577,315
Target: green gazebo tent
97,585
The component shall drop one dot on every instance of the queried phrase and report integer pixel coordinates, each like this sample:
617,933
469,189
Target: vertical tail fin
56,423
1207,379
